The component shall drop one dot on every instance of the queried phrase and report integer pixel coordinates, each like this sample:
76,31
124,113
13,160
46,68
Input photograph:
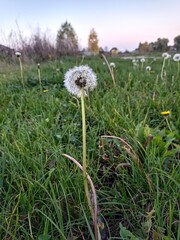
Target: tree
66,41
177,42
93,42
161,44
143,47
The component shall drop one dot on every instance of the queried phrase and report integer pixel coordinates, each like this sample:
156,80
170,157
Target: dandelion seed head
166,55
142,60
112,64
80,77
176,57
148,68
18,54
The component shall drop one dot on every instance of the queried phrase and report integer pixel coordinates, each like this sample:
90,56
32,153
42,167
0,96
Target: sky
118,23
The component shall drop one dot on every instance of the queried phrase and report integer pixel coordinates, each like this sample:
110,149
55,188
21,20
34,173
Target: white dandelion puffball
176,57
133,60
18,54
112,64
80,77
142,60
166,55
148,68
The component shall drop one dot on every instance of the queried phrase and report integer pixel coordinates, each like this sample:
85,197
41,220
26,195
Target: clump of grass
42,194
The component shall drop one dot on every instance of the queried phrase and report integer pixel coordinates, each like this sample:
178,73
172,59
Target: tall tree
93,42
177,42
143,47
161,44
66,41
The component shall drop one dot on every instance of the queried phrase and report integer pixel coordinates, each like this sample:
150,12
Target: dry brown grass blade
127,148
94,211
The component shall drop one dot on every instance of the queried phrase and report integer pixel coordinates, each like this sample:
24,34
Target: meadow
134,167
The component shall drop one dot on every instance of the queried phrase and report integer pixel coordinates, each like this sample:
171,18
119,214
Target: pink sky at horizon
118,23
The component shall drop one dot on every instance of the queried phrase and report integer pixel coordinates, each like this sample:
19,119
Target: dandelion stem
84,148
162,69
168,124
94,212
21,70
39,76
178,69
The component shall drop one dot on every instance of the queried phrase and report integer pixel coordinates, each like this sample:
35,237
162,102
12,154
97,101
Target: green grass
42,194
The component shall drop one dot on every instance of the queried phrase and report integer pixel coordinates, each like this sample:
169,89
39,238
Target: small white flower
142,60
18,54
176,57
112,64
148,68
38,65
57,69
166,55
80,77
104,63
133,60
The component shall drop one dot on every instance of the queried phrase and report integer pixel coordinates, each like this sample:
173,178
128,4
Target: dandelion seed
165,113
79,78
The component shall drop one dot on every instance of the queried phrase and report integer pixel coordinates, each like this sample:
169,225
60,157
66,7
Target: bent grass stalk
110,69
94,212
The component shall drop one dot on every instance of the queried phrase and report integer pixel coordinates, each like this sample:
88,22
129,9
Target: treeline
161,45
40,47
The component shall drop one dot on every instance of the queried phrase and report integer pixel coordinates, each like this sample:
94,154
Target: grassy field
41,192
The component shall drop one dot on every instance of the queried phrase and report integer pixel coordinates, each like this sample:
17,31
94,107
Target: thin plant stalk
84,148
110,70
178,69
21,70
162,69
94,212
39,77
